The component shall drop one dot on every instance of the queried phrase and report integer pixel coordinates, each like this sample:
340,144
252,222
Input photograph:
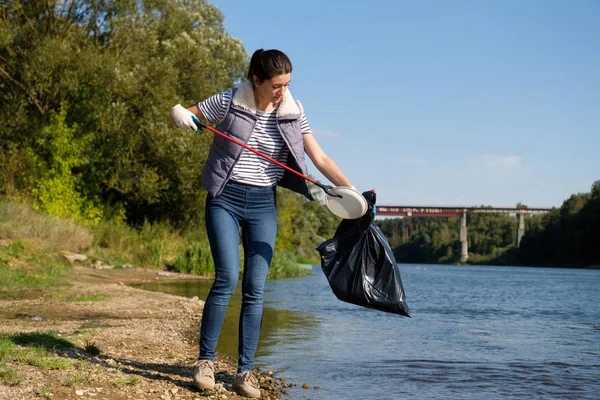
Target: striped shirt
250,167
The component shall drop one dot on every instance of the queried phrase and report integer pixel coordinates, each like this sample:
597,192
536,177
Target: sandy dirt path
147,342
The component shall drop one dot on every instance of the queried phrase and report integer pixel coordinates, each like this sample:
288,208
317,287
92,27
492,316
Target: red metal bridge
461,212
452,211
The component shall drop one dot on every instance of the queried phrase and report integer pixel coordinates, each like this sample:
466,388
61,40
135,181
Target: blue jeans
253,209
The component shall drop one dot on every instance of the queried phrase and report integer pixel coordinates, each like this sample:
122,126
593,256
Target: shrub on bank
152,246
34,240
21,221
285,264
196,259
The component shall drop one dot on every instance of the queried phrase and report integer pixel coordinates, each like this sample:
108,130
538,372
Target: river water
477,332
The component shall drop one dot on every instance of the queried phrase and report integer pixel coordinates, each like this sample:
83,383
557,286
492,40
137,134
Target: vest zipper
305,187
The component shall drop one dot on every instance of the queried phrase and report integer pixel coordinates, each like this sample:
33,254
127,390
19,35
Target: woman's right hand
183,117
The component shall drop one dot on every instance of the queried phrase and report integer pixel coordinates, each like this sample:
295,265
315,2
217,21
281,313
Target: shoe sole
204,386
239,393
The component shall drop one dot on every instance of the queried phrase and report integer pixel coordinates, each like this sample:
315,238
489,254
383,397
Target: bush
154,245
284,264
197,259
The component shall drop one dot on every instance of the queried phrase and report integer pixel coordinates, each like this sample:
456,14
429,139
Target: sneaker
246,384
204,374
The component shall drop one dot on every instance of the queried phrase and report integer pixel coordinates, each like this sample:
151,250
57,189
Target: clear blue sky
443,102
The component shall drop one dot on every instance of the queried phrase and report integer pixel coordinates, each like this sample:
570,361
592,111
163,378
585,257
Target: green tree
595,192
56,193
85,91
567,236
121,65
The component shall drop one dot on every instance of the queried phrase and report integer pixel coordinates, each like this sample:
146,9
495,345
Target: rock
306,386
317,387
174,390
166,273
36,318
79,392
72,257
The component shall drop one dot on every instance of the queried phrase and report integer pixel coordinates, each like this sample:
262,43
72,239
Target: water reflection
277,323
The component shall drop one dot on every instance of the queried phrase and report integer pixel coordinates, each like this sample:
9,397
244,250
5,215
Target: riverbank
102,339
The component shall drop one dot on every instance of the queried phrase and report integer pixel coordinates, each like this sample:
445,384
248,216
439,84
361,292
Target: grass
43,359
8,375
28,269
7,348
45,393
20,220
91,297
113,243
152,246
36,349
126,381
83,375
78,378
85,331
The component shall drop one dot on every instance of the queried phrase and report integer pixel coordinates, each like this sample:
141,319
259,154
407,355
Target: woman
262,113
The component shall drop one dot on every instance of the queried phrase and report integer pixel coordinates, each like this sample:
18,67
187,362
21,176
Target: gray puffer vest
239,123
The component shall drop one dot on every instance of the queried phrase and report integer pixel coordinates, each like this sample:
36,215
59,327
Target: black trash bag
360,266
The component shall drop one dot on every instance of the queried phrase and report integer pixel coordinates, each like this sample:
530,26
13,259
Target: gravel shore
127,343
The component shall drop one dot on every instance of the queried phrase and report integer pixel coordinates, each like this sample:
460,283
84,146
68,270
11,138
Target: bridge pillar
520,229
464,244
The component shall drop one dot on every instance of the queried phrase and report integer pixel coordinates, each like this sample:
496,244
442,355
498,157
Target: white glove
183,117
